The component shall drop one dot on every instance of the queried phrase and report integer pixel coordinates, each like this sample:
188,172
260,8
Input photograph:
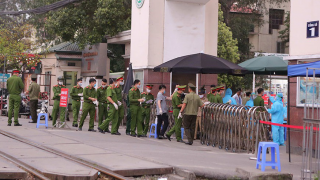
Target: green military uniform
209,95
15,86
218,96
103,106
88,106
56,104
76,103
176,100
193,102
135,109
145,111
128,128
258,101
118,91
34,90
112,112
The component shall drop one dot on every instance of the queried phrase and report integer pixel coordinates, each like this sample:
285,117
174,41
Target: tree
86,22
285,34
116,59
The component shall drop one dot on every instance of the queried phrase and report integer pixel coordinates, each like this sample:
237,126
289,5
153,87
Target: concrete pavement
125,154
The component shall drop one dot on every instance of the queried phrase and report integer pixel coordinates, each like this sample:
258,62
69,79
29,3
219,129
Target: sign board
94,60
4,77
139,3
312,29
64,97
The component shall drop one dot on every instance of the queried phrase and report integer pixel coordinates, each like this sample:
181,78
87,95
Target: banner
64,97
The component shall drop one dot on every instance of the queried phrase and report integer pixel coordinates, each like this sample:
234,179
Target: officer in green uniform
33,91
76,94
176,105
220,91
210,93
145,109
102,99
112,110
56,104
89,105
118,90
213,97
191,104
258,101
15,86
135,109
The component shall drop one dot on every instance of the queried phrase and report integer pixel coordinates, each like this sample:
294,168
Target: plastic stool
46,120
182,132
274,147
155,131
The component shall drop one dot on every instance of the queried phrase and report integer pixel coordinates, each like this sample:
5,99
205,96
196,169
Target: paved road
125,152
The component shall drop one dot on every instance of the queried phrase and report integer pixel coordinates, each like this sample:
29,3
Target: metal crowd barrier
235,128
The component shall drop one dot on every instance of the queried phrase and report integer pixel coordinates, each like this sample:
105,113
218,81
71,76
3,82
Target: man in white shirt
237,97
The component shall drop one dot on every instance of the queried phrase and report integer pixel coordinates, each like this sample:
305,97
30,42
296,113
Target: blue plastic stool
155,131
182,132
46,120
274,147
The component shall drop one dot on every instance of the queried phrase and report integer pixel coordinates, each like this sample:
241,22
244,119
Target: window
275,19
281,47
47,81
71,64
139,75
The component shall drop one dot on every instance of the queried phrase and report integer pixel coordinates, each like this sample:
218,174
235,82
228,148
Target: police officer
220,90
33,91
191,104
15,86
112,110
176,105
118,90
102,99
210,94
56,104
213,97
149,100
258,101
135,109
76,94
89,105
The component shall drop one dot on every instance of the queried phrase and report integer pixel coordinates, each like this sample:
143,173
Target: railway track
106,172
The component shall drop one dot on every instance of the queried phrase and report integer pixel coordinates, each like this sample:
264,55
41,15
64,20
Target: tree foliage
285,34
116,59
86,22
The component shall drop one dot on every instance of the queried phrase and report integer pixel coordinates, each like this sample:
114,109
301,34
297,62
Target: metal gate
311,123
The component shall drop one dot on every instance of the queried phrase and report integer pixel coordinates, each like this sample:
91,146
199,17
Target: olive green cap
191,85
182,87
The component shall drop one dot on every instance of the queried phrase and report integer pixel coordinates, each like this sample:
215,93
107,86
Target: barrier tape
287,126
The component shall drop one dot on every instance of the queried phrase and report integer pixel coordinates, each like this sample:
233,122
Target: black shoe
75,125
9,124
180,141
119,133
139,136
100,130
116,134
18,124
32,122
133,135
79,129
168,137
160,137
92,130
188,143
107,131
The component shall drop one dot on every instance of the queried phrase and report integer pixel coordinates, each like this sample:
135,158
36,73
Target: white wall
301,13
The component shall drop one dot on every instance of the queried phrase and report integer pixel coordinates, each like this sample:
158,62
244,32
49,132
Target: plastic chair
46,120
182,132
263,162
155,131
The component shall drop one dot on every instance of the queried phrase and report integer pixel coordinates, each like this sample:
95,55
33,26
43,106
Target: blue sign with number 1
312,29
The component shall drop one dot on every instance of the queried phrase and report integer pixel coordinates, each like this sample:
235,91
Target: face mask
148,90
104,86
60,82
164,91
94,85
80,84
138,86
201,96
121,83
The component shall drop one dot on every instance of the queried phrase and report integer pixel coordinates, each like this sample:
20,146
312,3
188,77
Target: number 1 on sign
313,31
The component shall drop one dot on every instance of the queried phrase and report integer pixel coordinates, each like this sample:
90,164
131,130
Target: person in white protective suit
276,112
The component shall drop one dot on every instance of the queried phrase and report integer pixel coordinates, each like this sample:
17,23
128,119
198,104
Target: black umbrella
129,81
200,63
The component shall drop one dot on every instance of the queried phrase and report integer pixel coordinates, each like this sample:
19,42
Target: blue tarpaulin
301,69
